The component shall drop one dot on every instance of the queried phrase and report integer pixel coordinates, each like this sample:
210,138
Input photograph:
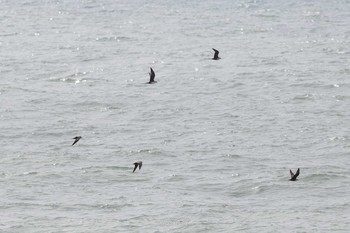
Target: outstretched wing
296,174
140,165
291,174
151,76
135,167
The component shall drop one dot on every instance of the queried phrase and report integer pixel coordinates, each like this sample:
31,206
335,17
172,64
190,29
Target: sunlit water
217,138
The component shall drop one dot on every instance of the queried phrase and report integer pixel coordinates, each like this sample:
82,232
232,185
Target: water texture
217,138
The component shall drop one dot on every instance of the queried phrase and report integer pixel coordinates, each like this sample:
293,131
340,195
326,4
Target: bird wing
140,165
75,141
151,76
291,174
294,176
135,167
297,173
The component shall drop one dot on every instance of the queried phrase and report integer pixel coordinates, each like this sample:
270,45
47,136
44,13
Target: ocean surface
217,138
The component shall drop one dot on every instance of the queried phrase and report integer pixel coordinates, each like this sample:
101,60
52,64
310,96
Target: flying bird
151,77
216,55
76,139
137,164
293,177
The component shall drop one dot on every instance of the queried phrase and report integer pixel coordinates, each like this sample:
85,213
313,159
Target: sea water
217,137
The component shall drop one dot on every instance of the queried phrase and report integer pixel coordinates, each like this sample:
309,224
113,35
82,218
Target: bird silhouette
216,55
152,75
293,177
76,139
137,164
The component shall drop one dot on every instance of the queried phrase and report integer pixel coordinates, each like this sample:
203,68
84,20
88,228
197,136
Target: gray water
217,138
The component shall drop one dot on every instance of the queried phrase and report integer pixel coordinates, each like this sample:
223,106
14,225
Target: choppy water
217,138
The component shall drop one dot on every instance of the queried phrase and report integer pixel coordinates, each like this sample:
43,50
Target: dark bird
216,55
293,177
76,139
151,77
137,164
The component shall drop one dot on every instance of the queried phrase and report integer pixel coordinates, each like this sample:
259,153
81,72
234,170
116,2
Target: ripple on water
217,138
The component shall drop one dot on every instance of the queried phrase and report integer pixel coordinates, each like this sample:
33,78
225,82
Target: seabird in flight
151,77
293,177
137,164
216,55
76,139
